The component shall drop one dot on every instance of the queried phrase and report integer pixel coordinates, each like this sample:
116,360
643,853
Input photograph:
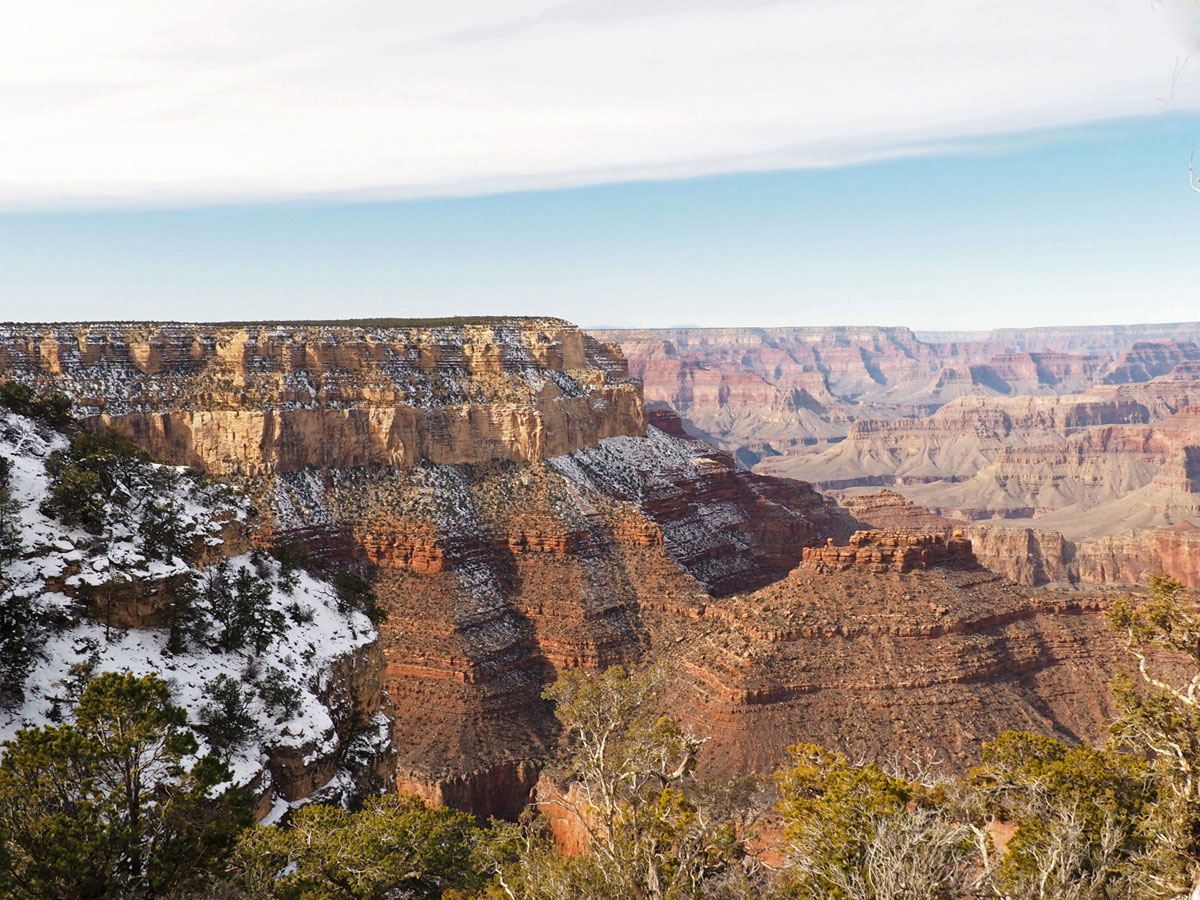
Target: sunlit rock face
502,480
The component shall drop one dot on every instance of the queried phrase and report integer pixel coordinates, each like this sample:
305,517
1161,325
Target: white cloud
201,100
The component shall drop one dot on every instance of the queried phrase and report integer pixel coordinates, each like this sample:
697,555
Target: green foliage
855,832
51,407
186,618
227,721
22,635
279,693
829,807
1160,712
1077,810
11,542
241,609
94,471
395,847
107,807
652,829
162,534
355,594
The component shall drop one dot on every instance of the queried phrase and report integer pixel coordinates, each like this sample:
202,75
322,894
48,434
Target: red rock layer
884,663
891,551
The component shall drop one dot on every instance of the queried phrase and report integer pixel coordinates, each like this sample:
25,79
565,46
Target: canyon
519,507
1072,453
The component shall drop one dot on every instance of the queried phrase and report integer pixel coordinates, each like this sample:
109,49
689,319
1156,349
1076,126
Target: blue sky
713,162
1094,225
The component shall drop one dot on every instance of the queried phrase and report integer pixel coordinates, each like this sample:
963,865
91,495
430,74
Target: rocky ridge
529,513
894,645
501,481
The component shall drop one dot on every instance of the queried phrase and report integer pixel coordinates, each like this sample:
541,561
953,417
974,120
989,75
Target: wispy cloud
197,101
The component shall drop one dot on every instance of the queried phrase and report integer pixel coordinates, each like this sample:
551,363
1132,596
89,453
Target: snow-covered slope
58,567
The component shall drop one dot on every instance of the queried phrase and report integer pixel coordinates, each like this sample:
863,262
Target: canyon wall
1040,556
1083,442
500,482
256,399
760,392
895,646
520,510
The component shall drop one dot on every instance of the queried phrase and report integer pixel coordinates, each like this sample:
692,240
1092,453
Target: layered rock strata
256,400
499,481
1037,556
760,392
874,661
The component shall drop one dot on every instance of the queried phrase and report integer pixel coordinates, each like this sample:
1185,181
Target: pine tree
108,806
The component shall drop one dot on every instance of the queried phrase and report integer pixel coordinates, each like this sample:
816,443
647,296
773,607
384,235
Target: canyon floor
885,542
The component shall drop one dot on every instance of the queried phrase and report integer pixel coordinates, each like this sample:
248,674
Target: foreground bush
396,847
114,804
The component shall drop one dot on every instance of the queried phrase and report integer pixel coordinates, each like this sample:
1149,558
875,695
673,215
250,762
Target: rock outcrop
878,662
761,392
501,481
520,511
257,400
1040,556
879,552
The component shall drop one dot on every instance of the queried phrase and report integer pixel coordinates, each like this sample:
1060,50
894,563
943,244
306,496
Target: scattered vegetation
228,723
96,471
394,847
51,407
116,804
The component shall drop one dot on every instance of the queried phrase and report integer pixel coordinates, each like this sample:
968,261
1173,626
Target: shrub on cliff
1160,712
1079,814
22,635
113,805
162,534
94,471
51,407
228,723
856,832
354,594
394,847
651,829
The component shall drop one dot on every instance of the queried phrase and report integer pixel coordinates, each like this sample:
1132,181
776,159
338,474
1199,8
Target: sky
615,162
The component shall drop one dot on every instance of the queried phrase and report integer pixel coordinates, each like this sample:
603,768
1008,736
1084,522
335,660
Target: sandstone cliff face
759,392
256,400
529,514
1039,556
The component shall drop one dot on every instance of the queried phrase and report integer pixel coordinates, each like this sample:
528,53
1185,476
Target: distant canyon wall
258,399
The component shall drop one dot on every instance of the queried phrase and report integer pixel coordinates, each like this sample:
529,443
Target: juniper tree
1160,712
113,804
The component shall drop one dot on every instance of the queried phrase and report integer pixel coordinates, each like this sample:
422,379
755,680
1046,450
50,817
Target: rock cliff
875,657
520,510
257,400
760,392
99,599
502,482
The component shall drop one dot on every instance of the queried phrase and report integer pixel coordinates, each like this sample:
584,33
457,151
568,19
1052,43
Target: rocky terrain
519,509
759,392
98,599
1086,442
896,644
502,482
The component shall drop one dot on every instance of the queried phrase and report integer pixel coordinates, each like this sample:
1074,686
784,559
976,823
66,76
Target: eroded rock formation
500,480
521,511
876,661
